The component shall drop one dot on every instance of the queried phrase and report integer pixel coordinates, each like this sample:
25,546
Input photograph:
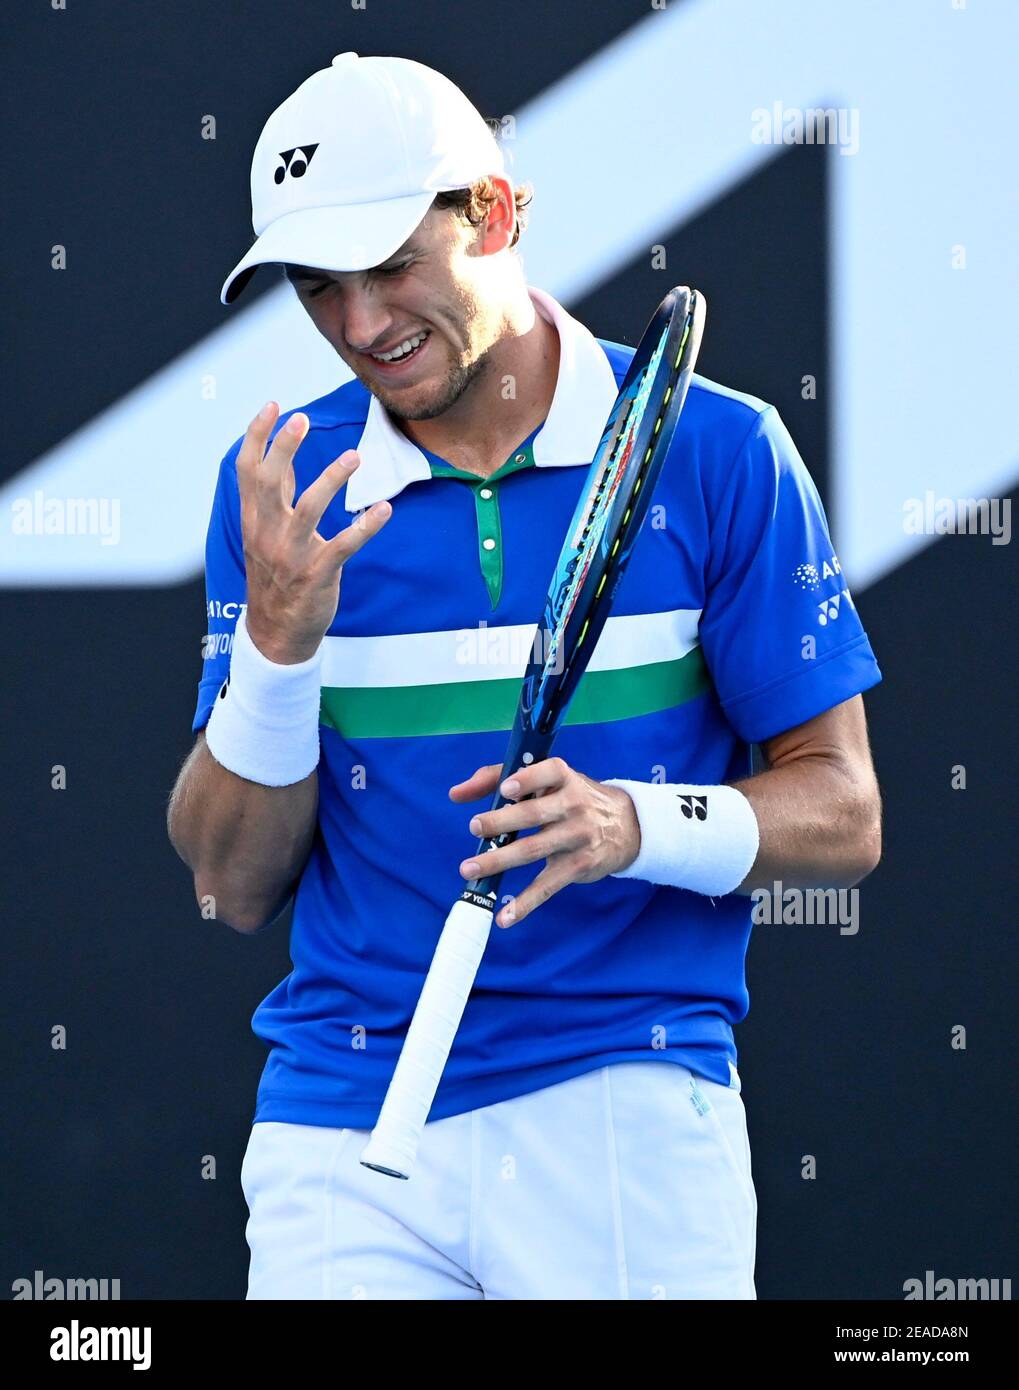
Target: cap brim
356,236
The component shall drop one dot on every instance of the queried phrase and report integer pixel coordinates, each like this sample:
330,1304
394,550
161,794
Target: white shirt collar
584,393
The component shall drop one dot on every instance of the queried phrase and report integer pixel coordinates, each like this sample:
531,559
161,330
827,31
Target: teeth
408,346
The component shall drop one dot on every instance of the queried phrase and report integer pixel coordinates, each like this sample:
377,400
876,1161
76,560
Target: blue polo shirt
732,624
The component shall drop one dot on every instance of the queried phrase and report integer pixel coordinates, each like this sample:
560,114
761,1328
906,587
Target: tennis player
588,1139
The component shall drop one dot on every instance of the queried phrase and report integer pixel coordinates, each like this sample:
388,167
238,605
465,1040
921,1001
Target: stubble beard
460,378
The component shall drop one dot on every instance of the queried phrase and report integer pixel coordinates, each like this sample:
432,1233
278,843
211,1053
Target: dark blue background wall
846,1054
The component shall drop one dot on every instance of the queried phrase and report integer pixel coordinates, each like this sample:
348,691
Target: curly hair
474,204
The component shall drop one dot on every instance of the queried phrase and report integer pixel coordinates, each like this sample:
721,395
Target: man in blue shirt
588,1139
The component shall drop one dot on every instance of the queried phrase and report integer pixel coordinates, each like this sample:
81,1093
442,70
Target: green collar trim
520,458
486,510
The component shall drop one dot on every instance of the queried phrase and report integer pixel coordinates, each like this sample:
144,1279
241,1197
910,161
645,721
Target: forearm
819,824
811,820
246,844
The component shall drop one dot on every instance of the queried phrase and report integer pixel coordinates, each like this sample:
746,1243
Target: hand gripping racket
608,516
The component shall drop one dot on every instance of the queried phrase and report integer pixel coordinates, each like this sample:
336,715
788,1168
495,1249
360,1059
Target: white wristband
701,838
264,724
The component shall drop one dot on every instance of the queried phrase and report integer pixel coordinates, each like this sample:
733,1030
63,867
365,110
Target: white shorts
628,1182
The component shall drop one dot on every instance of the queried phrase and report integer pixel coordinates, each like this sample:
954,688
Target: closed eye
388,271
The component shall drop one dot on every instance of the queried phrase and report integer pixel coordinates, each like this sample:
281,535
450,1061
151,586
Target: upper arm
780,632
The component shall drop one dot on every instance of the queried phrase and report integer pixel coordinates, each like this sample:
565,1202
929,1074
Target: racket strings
615,467
620,455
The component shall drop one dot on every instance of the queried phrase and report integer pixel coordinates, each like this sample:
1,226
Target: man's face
416,329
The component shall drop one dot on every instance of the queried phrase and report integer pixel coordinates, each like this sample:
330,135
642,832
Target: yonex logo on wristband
694,807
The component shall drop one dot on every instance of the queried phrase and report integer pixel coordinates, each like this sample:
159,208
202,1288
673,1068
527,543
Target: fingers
539,778
293,573
481,783
556,875
266,480
248,458
275,481
267,483
522,815
557,841
311,505
360,531
536,780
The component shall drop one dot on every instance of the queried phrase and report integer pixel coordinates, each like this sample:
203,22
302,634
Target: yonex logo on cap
296,168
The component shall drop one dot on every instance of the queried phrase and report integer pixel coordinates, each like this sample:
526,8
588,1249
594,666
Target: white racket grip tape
392,1147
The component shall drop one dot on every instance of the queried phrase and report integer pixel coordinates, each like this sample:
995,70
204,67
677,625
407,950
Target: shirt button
520,458
486,493
488,544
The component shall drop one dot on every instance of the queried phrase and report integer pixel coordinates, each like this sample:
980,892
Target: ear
501,223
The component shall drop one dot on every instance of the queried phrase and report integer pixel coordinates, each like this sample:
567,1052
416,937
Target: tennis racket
612,506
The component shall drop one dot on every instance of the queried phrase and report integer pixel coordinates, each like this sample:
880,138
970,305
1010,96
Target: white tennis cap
349,164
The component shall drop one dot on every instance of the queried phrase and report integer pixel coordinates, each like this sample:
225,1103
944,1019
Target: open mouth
403,352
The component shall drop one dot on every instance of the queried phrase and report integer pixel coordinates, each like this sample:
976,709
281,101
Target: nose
366,320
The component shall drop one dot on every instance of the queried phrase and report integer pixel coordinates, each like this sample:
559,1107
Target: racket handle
392,1147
